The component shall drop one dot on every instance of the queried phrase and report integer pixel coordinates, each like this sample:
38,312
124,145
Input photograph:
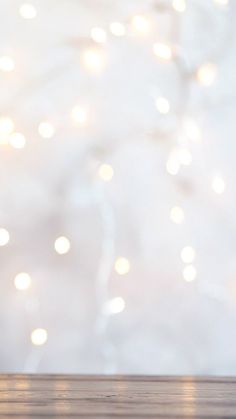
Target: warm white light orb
46,129
189,273
105,172
185,157
188,254
117,29
140,24
6,125
4,237
115,306
206,74
162,51
17,140
79,115
28,11
179,5
177,215
39,337
162,105
93,60
62,245
122,266
222,2
7,63
218,184
22,281
98,35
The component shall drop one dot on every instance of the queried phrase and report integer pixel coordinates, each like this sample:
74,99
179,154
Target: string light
93,60
140,24
162,51
189,273
188,254
177,215
39,337
4,237
6,125
114,306
206,74
98,35
28,11
22,281
122,266
105,172
62,245
46,129
185,157
162,105
79,115
218,184
179,5
7,63
17,140
117,29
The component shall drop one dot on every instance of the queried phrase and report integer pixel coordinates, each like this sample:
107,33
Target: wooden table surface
35,396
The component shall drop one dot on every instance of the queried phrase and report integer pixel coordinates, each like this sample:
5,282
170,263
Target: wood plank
32,396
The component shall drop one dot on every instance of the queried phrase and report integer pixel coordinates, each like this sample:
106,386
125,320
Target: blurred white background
117,186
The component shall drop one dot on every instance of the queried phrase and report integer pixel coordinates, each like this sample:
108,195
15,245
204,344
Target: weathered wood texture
34,396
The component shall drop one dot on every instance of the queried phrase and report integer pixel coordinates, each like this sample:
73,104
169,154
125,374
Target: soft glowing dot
28,11
177,215
4,237
98,35
39,337
185,157
7,64
6,125
106,172
189,273
162,51
179,5
206,74
93,60
188,254
122,266
46,129
17,140
140,24
222,2
162,105
62,245
115,306
218,185
172,164
22,281
79,115
117,29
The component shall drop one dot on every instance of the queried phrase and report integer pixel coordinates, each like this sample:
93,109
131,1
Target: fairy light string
93,60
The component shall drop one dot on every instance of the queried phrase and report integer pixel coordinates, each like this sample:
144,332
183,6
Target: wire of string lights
158,33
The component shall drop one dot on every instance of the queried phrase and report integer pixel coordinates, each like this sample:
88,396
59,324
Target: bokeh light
62,245
39,337
22,281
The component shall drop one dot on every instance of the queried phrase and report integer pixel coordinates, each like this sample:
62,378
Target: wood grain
35,396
